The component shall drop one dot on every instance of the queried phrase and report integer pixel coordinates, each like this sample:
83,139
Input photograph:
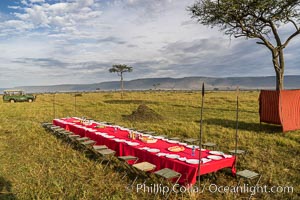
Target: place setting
216,154
132,143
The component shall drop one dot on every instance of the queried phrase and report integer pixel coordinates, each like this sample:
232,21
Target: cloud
77,41
61,16
42,62
36,1
111,39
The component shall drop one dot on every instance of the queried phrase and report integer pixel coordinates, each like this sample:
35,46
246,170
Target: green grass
36,165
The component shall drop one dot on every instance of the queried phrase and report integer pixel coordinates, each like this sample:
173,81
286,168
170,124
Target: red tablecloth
189,171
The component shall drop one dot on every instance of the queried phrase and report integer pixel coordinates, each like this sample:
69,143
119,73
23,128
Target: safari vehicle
13,96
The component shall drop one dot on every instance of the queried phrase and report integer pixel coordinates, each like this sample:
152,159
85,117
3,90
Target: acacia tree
156,85
259,19
120,69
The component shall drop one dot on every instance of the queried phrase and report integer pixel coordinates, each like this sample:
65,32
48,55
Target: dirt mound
143,113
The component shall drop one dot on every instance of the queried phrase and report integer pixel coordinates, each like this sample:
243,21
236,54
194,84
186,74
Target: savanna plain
36,165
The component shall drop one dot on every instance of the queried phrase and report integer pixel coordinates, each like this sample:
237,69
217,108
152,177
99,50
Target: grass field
36,165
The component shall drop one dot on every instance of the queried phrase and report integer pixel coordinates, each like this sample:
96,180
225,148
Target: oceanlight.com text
212,188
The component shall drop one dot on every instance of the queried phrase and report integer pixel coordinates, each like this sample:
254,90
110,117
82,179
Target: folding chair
191,140
106,154
238,153
72,138
125,160
141,131
58,130
65,133
141,169
164,136
99,147
175,138
82,139
60,133
168,174
149,132
87,144
54,128
46,124
77,142
248,176
209,145
48,127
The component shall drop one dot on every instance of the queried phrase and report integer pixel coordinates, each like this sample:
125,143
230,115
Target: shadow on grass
270,128
214,109
5,189
130,102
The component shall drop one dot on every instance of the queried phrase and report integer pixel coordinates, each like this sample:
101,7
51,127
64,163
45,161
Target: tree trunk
122,85
279,80
278,62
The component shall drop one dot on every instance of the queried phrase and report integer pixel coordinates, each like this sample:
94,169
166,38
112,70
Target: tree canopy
120,69
258,19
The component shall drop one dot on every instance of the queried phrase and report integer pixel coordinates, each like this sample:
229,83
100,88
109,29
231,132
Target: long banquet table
189,171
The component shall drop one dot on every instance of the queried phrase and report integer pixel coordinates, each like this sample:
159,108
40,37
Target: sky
49,42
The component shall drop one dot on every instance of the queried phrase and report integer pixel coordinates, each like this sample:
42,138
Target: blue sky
47,42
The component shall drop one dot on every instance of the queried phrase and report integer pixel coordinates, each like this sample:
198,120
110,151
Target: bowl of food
176,148
148,139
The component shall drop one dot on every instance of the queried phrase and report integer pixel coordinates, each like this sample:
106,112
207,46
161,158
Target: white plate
192,161
164,139
158,137
227,156
216,153
161,154
191,146
172,156
133,143
144,148
173,141
213,157
100,133
182,143
153,150
119,140
108,136
205,160
182,158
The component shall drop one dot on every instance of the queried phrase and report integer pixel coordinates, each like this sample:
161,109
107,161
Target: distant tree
120,69
259,19
156,85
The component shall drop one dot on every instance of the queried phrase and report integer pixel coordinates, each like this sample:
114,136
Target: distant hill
186,83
